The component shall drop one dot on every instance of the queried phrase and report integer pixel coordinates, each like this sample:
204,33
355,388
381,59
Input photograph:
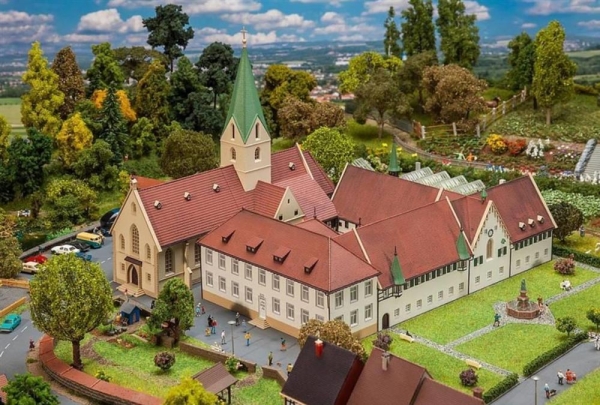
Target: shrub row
500,388
550,355
580,257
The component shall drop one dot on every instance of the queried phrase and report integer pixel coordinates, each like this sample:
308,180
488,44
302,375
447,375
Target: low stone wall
12,306
86,385
275,374
9,282
212,355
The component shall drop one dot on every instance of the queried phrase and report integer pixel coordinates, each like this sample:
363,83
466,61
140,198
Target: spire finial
395,251
315,212
244,37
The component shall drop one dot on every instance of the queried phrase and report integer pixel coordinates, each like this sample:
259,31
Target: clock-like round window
491,233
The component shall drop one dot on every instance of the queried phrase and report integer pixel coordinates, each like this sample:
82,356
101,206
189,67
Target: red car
36,258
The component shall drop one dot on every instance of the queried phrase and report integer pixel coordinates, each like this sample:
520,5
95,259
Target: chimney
385,360
417,165
319,347
133,183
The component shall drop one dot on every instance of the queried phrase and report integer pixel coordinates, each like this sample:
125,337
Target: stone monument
521,308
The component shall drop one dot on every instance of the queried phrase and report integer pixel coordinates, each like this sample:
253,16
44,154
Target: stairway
132,290
260,323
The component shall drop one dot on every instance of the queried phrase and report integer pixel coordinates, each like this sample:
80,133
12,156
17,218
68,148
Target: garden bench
404,336
473,363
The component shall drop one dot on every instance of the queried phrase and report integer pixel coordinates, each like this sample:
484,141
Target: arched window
169,261
490,248
232,131
133,208
256,131
233,154
122,242
135,239
257,154
148,252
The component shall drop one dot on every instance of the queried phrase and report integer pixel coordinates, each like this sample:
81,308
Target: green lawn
18,310
574,241
586,391
577,305
281,144
368,135
10,100
265,391
12,112
442,367
475,311
498,347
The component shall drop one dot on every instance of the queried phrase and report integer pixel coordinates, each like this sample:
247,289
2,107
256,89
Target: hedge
580,257
546,357
500,388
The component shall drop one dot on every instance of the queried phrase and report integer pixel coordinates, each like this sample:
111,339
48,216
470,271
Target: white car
24,213
30,267
64,249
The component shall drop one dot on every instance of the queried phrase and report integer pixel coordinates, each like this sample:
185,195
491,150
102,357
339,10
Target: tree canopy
127,112
568,218
70,80
152,98
95,165
332,148
459,34
521,60
362,66
26,160
105,71
10,250
391,37
335,332
418,31
134,61
298,118
187,152
189,392
113,131
26,389
217,68
74,136
69,298
175,304
70,202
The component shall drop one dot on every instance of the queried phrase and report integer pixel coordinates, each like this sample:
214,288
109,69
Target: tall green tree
553,71
70,298
217,68
411,75
70,80
40,105
10,250
568,219
114,130
566,325
152,98
5,129
459,34
142,139
189,392
175,304
74,136
105,71
27,158
135,61
332,149
362,66
187,152
70,202
96,165
184,83
299,118
593,315
391,37
521,59
418,31
169,29
26,389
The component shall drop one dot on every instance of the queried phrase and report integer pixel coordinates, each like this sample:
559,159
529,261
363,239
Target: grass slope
577,305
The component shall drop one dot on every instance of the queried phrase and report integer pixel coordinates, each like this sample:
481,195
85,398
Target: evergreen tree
105,71
152,98
521,59
40,105
418,31
113,131
27,158
392,35
460,35
217,68
70,80
184,82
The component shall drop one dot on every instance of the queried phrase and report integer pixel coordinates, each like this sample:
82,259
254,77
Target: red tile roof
3,383
435,393
367,196
415,234
280,165
267,198
319,174
310,197
336,267
316,226
470,211
518,201
145,182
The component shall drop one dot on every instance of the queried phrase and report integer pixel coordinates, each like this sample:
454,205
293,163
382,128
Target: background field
10,108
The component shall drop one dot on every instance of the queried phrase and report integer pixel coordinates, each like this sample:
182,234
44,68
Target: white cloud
332,18
382,6
86,38
207,35
18,27
547,7
269,20
481,11
336,3
192,7
527,26
108,21
591,25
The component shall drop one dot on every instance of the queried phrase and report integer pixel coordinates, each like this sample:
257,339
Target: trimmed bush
383,341
500,388
565,266
468,377
578,256
164,360
546,357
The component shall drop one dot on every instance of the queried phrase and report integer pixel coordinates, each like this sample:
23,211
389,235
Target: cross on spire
244,37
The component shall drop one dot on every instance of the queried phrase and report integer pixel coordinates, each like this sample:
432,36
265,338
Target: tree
217,68
190,392
521,60
70,202
328,115
152,98
594,316
26,389
335,332
175,305
566,325
5,128
70,80
459,34
105,71
383,341
70,298
94,164
27,158
10,250
187,152
74,136
391,37
361,68
453,93
382,95
134,61
418,31
40,105
168,29
113,130
142,139
294,118
411,75
90,115
127,112
568,218
553,71
332,149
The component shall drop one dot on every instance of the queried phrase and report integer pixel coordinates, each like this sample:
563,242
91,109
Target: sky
81,23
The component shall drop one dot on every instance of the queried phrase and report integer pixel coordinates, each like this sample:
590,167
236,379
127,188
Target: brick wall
212,355
275,374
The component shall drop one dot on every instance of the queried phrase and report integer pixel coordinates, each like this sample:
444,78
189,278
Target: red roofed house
158,225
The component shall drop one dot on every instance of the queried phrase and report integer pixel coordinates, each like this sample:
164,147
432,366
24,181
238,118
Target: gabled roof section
267,198
316,226
336,267
470,212
318,173
245,106
432,392
310,196
293,162
145,182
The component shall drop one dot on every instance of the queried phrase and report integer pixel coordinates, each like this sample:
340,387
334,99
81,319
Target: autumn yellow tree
4,137
128,112
74,136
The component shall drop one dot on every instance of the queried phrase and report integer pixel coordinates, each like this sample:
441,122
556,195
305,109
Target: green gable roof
396,270
461,247
394,167
245,105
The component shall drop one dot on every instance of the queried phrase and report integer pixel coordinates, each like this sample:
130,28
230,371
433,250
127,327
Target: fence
9,282
12,306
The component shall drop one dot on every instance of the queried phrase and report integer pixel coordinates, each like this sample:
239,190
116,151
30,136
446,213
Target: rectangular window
339,318
407,308
304,316
305,292
248,271
518,263
148,277
397,312
320,299
289,311
368,312
235,289
276,306
537,255
489,275
339,299
527,259
354,293
440,295
501,270
197,254
122,266
346,223
209,256
275,282
222,284
451,291
289,288
461,287
320,318
429,299
368,288
221,261
248,294
209,279
262,277
354,318
546,252
235,266
477,279
419,304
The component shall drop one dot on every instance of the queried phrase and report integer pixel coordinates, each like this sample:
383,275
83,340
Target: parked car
30,267
41,259
64,249
107,220
24,213
82,246
10,323
94,240
81,255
